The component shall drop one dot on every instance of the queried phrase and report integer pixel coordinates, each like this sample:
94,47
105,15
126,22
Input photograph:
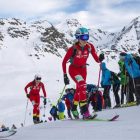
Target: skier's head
82,35
123,56
2,125
37,78
53,104
72,90
103,66
67,91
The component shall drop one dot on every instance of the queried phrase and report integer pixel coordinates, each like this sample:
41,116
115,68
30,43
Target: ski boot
38,120
86,115
75,114
35,120
117,106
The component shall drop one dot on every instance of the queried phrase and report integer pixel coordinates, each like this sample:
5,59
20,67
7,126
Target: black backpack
137,59
114,77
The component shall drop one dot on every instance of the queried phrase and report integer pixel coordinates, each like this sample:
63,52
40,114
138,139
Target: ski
93,117
105,120
6,134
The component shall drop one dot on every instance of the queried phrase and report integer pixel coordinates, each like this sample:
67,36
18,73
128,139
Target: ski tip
114,118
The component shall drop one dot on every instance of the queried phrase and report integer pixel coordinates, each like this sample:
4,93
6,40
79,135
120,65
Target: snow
125,127
17,69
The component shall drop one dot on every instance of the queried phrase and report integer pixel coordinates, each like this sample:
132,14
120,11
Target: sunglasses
38,79
84,37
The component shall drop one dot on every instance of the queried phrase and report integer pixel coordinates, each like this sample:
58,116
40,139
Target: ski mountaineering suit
35,96
78,71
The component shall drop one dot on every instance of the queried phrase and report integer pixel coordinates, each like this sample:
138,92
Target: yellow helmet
53,104
3,125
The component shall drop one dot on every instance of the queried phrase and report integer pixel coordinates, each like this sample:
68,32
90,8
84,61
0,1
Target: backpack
75,52
137,59
114,77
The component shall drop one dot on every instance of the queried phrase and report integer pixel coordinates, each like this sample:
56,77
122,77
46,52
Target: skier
96,99
3,128
78,55
53,112
106,84
61,109
122,75
34,96
68,105
14,127
134,71
69,95
116,86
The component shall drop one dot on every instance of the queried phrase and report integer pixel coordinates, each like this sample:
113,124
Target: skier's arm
44,91
66,58
64,97
94,54
27,86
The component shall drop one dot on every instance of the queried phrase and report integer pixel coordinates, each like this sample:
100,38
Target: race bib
33,102
79,78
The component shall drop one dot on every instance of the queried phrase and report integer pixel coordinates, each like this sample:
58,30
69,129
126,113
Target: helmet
82,32
37,77
2,125
53,104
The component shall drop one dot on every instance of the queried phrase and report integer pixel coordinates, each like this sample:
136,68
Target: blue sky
109,15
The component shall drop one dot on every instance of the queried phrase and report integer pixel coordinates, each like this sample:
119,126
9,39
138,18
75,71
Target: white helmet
38,76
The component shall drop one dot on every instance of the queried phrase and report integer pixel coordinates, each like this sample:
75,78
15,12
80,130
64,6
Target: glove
101,57
28,96
66,79
45,101
130,61
119,74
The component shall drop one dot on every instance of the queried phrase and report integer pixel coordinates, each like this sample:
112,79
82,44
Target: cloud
109,15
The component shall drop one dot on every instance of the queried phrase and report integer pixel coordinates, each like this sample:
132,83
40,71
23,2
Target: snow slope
25,51
125,128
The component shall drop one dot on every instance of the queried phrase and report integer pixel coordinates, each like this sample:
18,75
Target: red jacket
81,56
35,89
67,102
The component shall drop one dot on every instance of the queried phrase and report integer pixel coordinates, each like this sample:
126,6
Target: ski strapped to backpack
75,52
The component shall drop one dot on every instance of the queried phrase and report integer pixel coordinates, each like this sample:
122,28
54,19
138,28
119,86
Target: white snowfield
126,127
17,69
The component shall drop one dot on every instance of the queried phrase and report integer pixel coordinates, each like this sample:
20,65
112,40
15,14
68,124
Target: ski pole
26,112
136,94
98,85
44,111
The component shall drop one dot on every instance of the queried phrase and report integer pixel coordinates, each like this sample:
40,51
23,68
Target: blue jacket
61,107
106,75
70,96
135,67
90,87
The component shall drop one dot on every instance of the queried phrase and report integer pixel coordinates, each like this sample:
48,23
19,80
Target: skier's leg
137,90
116,89
122,94
79,76
106,95
32,99
37,106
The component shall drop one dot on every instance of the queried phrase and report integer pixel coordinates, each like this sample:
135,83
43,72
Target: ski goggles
38,79
84,37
